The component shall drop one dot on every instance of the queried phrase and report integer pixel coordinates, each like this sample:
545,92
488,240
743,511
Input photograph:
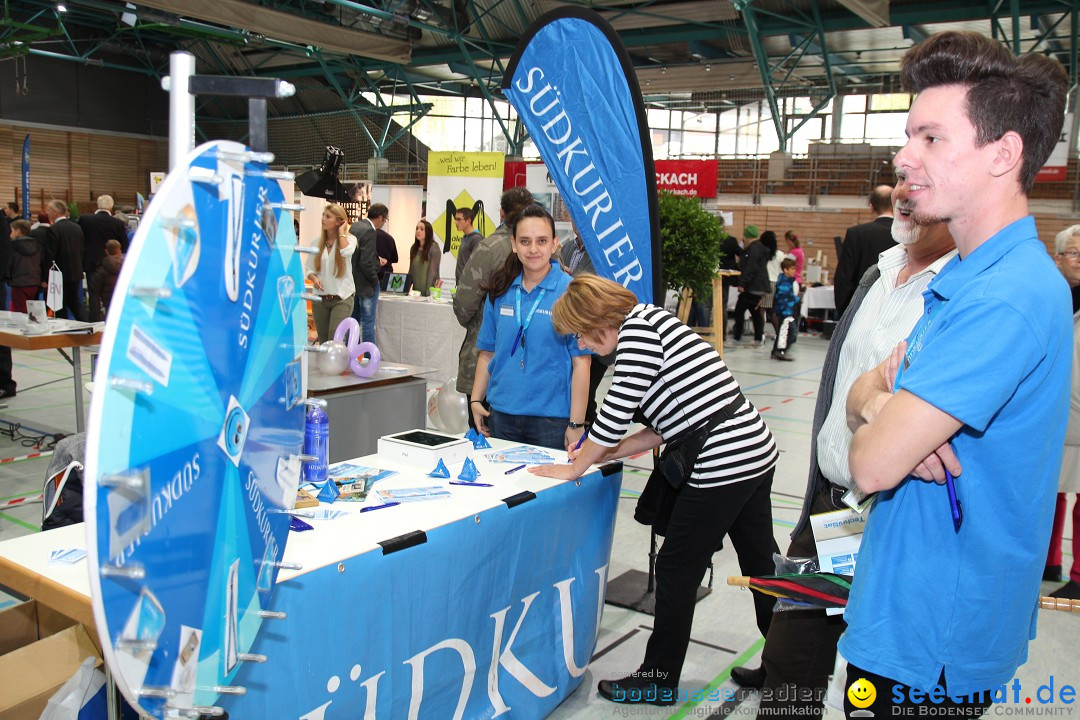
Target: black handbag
680,454
673,467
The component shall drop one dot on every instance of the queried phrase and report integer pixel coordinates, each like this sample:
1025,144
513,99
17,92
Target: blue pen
581,439
472,484
380,507
514,469
954,502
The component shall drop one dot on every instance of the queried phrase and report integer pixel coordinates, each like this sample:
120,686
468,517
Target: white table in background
819,298
419,332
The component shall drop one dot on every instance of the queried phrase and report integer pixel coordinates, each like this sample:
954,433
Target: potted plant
691,241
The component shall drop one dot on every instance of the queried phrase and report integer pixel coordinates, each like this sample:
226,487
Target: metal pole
181,107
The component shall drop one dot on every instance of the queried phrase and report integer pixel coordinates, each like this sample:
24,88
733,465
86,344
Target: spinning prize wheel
195,432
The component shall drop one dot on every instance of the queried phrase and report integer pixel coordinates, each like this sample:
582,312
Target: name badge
507,310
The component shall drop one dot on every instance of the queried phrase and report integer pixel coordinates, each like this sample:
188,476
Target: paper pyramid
440,471
471,435
329,492
481,443
299,525
469,471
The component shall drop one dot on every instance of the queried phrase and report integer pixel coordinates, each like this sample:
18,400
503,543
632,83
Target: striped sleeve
639,356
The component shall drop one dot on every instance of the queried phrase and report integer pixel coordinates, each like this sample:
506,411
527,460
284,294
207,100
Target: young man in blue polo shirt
946,592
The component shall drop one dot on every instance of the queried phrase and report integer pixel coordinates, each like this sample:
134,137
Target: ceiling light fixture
663,70
61,7
708,68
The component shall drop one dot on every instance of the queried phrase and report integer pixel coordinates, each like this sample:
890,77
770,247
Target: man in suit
98,228
365,268
67,251
862,245
386,248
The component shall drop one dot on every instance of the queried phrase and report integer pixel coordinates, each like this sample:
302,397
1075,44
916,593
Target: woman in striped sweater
681,385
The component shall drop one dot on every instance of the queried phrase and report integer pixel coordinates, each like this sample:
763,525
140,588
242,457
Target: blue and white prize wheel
195,432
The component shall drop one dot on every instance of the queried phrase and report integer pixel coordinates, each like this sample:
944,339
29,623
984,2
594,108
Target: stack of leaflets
415,494
355,481
521,455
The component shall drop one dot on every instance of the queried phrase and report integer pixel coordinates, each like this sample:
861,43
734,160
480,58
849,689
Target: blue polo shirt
993,350
542,386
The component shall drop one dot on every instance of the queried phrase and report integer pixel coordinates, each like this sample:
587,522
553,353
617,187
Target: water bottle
316,443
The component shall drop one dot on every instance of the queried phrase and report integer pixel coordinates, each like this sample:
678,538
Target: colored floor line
34,456
719,680
19,495
21,523
778,378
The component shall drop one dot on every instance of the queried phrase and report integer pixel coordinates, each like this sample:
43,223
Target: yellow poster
462,180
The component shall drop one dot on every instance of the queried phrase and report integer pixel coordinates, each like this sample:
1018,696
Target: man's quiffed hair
466,213
1024,94
514,199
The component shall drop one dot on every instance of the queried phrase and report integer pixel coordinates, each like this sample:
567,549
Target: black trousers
800,647
699,521
95,302
884,706
72,306
6,381
749,302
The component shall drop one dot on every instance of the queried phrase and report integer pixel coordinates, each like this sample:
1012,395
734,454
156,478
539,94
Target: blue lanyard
523,325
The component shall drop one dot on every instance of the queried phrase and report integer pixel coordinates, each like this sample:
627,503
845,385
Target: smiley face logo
862,693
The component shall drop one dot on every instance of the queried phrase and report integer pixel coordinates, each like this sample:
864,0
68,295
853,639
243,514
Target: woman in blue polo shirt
531,383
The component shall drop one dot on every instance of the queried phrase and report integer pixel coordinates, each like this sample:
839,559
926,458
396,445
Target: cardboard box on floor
39,651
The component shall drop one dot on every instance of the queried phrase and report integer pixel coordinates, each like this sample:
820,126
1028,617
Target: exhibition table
58,341
420,331
481,603
362,409
818,298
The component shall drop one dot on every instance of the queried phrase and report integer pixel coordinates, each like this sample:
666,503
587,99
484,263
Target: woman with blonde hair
330,272
718,463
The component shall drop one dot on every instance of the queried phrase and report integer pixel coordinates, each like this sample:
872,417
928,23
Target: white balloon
336,358
433,409
453,408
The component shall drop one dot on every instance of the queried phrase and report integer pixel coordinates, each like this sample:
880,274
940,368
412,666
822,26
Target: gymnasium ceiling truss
381,61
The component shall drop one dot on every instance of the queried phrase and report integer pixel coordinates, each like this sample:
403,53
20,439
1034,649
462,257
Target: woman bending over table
531,383
685,392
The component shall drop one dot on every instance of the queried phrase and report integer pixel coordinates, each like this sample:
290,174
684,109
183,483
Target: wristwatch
576,426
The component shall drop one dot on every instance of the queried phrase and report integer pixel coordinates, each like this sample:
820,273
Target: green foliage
691,241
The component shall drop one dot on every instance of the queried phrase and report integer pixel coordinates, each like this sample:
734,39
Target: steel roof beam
291,28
